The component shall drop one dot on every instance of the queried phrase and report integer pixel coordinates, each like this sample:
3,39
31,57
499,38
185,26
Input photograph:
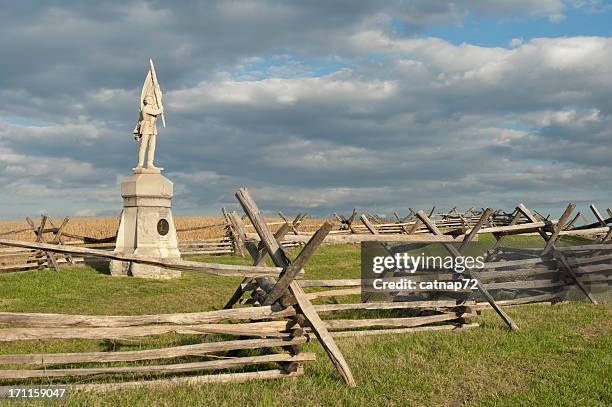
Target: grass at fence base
561,356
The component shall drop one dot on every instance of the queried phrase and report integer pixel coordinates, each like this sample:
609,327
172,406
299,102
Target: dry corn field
105,226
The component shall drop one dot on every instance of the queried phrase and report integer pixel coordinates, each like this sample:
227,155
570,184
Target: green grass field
561,356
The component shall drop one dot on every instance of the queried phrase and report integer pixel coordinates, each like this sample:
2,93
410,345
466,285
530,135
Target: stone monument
147,227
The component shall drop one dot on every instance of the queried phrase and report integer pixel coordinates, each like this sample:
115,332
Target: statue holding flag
146,129
147,226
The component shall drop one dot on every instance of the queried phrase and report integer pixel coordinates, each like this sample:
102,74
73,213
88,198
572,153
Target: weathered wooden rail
283,321
279,314
265,330
12,260
453,226
260,330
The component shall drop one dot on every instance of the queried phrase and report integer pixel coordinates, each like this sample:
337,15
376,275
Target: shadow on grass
101,266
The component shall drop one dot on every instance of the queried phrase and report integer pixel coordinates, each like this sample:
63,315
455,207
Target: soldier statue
147,132
146,128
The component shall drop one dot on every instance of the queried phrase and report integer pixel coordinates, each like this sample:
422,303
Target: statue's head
148,100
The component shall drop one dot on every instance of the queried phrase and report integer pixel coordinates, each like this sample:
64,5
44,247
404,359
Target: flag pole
155,85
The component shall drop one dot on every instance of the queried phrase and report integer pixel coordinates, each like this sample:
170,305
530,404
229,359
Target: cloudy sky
320,105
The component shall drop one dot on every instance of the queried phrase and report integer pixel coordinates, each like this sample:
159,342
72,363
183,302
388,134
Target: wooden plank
271,328
200,241
150,369
19,268
607,236
178,264
454,328
37,232
204,243
114,321
519,273
322,334
598,216
499,237
51,261
323,308
524,285
250,208
330,283
240,230
333,293
368,224
571,223
602,222
576,261
207,252
534,261
267,238
58,238
552,239
390,322
263,253
358,238
12,250
292,225
527,213
237,242
577,248
592,279
259,257
31,264
454,252
566,266
595,268
472,234
267,223
400,222
550,245
189,380
148,354
294,268
350,220
518,228
192,228
585,232
14,232
415,226
520,301
279,259
520,251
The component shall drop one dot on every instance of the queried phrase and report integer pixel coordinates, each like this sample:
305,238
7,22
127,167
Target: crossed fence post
57,239
39,232
347,223
602,222
457,253
257,252
286,292
552,239
295,224
237,241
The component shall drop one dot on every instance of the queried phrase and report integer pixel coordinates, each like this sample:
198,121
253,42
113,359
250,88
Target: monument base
129,269
147,227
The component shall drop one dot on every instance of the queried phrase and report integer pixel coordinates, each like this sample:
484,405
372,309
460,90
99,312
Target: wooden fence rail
281,310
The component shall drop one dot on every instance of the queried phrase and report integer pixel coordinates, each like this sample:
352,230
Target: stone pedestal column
147,227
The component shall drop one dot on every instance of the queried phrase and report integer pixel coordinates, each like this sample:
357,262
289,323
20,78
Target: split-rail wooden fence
276,309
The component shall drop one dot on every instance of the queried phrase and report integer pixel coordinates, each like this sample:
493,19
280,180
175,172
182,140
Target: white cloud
339,87
515,42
